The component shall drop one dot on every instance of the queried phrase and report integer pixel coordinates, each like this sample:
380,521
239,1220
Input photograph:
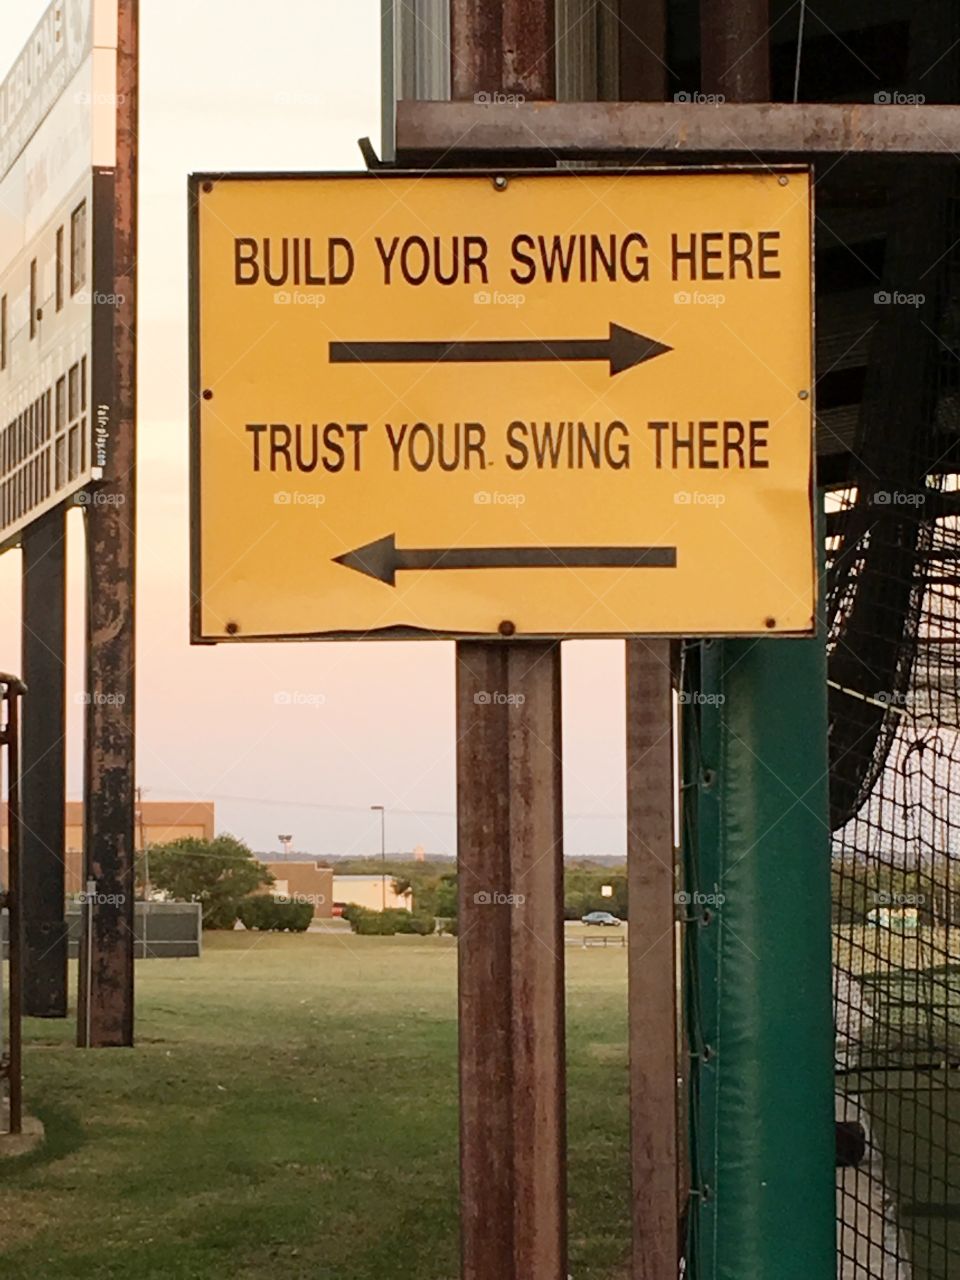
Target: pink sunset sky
233,86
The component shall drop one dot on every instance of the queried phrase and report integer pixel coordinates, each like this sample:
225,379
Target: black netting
894,637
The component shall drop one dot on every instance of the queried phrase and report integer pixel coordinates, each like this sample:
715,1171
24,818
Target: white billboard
58,107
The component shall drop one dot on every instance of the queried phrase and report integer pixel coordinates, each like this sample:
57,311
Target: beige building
157,822
372,892
303,881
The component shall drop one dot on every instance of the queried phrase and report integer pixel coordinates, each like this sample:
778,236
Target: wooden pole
510,845
651,888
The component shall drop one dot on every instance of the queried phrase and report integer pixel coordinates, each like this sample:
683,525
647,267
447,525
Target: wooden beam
652,959
512,1059
672,130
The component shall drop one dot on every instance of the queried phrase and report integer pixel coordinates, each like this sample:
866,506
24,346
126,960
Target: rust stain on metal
105,1014
603,130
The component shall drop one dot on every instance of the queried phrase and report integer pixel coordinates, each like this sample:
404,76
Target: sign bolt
208,394
208,187
500,182
232,628
783,179
507,628
770,623
804,395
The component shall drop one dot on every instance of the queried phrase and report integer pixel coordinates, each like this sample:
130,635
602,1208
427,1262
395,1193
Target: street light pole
383,854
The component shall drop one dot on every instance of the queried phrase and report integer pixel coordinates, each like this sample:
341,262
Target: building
303,881
157,822
372,892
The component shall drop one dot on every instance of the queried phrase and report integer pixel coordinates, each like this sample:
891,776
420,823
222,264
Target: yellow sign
471,405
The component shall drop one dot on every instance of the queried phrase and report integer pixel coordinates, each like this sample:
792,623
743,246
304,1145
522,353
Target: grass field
291,1109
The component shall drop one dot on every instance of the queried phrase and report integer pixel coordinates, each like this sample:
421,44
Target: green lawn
291,1109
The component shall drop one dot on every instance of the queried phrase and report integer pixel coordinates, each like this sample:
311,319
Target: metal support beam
681,131
11,691
643,50
735,49
106,985
652,959
43,794
506,48
512,1059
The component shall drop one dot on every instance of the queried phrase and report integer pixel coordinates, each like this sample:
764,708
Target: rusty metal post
512,1059
44,791
513,1197
735,49
11,690
106,999
643,50
509,47
652,959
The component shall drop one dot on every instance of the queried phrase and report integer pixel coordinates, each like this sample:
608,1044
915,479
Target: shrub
219,874
266,913
373,922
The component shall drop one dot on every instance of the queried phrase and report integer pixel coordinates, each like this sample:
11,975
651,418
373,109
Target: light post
383,854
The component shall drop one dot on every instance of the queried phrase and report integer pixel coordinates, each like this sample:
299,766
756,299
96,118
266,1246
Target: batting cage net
893,567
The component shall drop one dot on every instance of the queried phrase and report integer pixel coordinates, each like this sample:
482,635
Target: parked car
601,917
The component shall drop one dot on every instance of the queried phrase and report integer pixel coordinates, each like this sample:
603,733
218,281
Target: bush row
388,922
267,913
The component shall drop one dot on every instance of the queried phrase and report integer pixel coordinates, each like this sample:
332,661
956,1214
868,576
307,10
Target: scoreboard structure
58,139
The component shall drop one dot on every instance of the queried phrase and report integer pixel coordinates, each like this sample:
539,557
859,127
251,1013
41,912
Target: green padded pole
765,1202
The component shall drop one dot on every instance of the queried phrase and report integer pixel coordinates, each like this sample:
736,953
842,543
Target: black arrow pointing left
383,558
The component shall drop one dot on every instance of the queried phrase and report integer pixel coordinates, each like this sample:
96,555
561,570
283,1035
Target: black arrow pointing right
623,349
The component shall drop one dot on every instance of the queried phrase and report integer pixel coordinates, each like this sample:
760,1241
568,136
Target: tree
217,873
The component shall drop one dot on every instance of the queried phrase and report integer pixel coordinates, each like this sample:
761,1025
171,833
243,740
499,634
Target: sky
226,85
